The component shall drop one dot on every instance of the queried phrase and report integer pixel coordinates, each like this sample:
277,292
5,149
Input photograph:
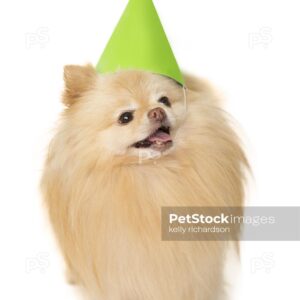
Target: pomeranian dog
130,143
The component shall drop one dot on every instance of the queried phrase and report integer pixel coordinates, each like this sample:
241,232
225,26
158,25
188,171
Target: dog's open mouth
160,140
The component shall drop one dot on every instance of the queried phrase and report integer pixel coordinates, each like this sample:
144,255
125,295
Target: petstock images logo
231,223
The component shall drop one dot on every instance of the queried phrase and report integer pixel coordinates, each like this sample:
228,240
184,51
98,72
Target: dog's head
131,113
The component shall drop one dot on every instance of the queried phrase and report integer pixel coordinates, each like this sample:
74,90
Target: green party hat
139,42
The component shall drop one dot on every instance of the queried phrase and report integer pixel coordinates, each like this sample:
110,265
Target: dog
129,143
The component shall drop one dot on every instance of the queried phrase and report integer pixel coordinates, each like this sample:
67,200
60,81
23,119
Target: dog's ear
195,84
78,79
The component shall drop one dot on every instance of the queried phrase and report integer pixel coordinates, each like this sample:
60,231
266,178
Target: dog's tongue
160,136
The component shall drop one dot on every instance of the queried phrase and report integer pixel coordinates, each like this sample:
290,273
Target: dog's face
131,113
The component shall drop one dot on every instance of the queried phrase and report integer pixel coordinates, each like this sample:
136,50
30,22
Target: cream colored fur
104,197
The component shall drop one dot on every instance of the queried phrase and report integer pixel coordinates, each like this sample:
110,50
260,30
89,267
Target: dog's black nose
157,114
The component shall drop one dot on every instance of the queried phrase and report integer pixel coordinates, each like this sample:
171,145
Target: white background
249,49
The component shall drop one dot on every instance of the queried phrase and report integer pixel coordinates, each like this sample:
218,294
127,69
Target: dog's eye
165,100
126,117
